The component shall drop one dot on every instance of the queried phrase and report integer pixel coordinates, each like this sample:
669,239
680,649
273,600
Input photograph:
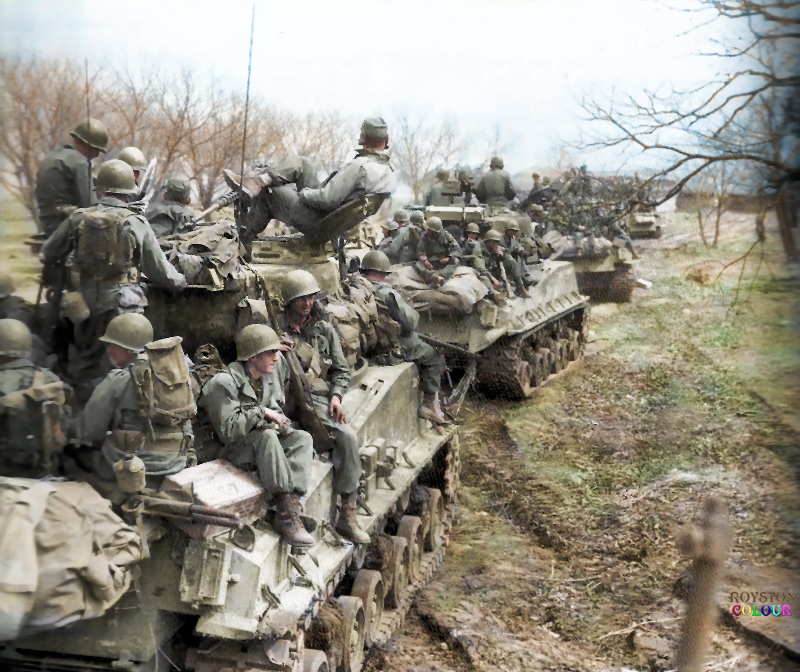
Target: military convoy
604,270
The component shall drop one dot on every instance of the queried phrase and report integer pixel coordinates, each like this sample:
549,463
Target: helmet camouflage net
255,339
131,331
177,188
15,339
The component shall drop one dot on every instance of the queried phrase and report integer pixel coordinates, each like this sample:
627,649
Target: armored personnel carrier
643,225
518,346
221,590
604,268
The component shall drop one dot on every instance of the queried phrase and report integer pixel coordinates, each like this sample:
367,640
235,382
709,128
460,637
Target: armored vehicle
222,590
604,269
643,225
515,346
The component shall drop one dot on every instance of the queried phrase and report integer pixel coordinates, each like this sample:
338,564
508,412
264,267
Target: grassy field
15,256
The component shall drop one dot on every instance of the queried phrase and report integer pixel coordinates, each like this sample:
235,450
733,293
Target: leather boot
250,184
347,525
430,409
288,523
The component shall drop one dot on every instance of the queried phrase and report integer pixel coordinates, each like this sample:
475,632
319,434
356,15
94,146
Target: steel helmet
401,216
93,132
472,227
133,157
131,331
392,226
6,284
545,180
255,339
417,217
15,339
434,224
493,234
300,283
443,175
177,188
511,224
375,260
116,177
496,162
374,127
535,176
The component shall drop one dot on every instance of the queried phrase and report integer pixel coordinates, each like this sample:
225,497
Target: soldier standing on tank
403,249
172,215
112,246
495,188
375,267
245,403
112,421
292,192
438,253
32,405
319,350
434,196
64,178
134,157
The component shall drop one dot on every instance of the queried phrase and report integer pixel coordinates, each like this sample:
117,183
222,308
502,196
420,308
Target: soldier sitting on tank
438,253
134,157
500,265
403,249
394,311
495,188
32,407
113,421
292,193
172,215
516,253
112,245
245,403
319,351
64,178
389,230
472,256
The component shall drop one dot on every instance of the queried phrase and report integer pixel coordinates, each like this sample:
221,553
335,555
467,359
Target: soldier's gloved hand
276,417
335,409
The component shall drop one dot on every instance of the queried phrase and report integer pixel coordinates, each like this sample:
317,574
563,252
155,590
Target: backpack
163,383
104,251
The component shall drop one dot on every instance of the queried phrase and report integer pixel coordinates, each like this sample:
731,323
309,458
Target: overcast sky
515,66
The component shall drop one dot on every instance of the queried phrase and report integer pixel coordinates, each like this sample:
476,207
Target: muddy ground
564,553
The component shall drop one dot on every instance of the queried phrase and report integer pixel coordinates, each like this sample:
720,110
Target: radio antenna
86,71
247,96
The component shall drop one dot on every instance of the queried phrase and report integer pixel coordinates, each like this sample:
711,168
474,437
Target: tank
213,597
517,347
604,269
643,225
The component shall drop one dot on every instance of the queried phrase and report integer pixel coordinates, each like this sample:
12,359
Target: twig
633,627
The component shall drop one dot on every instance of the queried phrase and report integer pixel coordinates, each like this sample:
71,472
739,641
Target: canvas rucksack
163,383
104,251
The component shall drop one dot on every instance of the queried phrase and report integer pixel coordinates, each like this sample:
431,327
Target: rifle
188,512
226,199
300,387
503,275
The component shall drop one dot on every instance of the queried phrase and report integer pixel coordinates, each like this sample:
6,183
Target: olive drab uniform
403,248
235,403
111,245
63,183
16,308
472,256
168,218
394,314
127,413
433,249
319,351
386,243
495,188
32,402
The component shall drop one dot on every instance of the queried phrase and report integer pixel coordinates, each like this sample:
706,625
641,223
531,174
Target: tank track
609,286
514,367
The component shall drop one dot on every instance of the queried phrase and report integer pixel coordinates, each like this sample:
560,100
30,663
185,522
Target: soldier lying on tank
389,230
403,249
135,159
64,178
375,267
172,215
292,192
113,422
438,253
32,406
319,350
245,403
500,264
112,246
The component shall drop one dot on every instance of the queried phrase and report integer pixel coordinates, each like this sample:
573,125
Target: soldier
472,256
295,195
112,245
500,265
64,178
13,307
495,188
245,403
319,350
403,249
375,267
438,253
172,215
389,232
135,159
114,421
535,195
32,403
515,256
434,196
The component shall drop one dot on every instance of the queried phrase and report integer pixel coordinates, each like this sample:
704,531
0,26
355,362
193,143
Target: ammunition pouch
126,440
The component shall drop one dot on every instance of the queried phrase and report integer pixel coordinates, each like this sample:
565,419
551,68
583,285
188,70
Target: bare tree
740,117
420,148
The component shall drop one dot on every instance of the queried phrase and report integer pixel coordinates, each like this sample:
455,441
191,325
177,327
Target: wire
247,96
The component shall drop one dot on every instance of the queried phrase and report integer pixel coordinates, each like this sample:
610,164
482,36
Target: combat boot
249,184
347,525
431,410
288,523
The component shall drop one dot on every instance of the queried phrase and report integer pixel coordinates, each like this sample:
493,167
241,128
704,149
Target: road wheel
400,560
315,661
368,586
435,533
410,529
353,645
